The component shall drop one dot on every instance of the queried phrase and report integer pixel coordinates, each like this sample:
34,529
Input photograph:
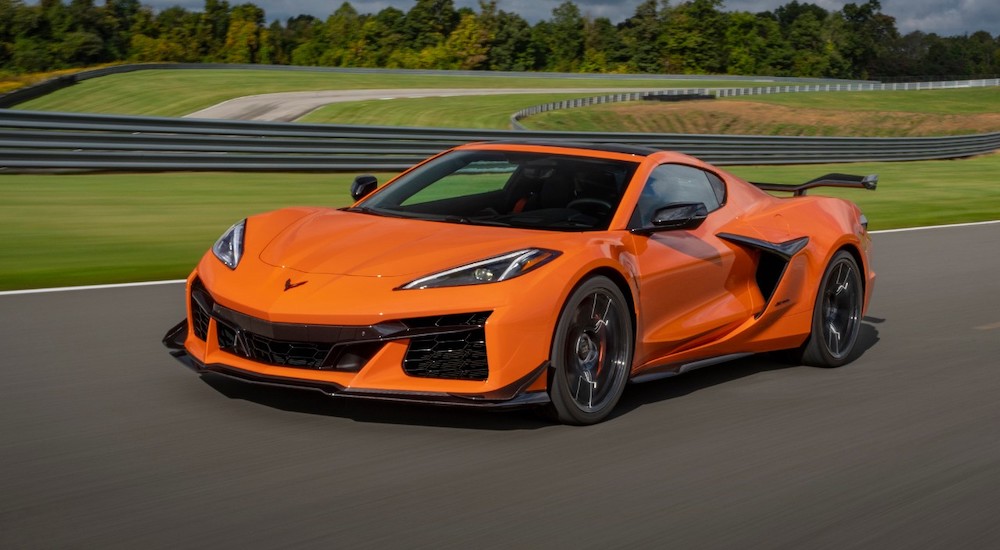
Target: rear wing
829,180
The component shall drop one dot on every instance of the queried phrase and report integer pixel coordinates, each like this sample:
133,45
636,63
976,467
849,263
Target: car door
693,287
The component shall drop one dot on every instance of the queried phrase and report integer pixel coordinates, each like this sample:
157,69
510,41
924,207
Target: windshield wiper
361,209
372,211
472,221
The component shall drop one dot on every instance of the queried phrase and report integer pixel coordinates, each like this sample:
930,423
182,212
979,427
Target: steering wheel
590,206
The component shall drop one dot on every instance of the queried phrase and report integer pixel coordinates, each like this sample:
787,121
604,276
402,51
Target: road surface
108,442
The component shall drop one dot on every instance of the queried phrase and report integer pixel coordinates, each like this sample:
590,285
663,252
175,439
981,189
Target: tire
836,318
591,353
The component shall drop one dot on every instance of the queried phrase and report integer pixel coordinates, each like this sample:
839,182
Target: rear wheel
837,314
591,353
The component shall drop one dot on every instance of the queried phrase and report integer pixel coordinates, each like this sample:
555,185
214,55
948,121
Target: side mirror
678,215
363,186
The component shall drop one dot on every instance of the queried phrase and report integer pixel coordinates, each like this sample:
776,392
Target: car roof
592,146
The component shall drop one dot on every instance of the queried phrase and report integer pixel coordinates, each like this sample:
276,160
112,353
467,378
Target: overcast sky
944,17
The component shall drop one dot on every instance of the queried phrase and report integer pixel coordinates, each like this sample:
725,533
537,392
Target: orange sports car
531,273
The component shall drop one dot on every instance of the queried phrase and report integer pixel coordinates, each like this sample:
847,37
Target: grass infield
108,228
845,114
486,112
179,92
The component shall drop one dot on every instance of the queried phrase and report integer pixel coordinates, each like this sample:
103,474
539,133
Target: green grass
106,228
179,92
961,101
874,114
490,112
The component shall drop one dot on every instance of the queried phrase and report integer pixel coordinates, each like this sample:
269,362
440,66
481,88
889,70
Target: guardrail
33,141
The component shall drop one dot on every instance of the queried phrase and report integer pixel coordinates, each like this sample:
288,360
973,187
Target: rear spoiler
829,180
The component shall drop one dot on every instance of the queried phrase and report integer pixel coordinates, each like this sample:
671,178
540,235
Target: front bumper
514,395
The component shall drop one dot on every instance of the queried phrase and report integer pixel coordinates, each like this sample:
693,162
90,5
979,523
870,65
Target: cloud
945,18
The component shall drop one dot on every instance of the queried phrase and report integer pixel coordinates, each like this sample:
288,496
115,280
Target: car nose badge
290,285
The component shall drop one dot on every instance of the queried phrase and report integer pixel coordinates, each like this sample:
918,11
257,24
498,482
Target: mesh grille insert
291,354
457,355
199,316
310,355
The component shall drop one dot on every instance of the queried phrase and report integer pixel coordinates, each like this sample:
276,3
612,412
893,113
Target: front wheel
836,315
591,353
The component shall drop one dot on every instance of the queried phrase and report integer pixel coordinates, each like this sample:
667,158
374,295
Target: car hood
348,243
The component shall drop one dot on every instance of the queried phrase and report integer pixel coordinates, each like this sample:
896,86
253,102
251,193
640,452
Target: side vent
770,268
774,258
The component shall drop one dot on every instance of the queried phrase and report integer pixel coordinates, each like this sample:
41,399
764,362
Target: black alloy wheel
836,315
591,353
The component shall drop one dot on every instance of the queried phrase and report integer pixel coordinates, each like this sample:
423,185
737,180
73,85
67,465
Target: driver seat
600,185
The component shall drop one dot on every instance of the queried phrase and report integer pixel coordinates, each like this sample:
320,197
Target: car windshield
506,188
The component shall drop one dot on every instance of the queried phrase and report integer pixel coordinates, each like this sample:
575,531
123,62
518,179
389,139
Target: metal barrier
33,141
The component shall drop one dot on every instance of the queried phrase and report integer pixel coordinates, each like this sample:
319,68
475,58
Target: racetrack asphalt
108,442
289,106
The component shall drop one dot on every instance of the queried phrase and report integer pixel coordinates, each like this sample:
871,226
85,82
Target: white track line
180,281
969,224
90,287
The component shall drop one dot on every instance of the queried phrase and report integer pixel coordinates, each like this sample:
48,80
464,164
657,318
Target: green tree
79,48
213,28
429,22
693,37
944,57
753,45
909,51
865,37
640,39
512,47
814,53
788,13
31,55
468,46
176,31
244,36
602,48
343,30
143,48
566,40
541,46
10,11
983,54
119,17
382,35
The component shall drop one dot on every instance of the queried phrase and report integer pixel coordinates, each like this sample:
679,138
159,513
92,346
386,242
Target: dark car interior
544,192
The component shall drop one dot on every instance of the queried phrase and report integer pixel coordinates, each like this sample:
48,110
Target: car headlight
229,248
491,270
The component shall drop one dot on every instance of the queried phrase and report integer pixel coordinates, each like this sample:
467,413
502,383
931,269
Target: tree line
690,37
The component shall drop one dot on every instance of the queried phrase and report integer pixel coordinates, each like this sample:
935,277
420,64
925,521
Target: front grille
308,355
445,346
343,356
292,354
454,353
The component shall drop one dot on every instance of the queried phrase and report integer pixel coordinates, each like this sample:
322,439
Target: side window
671,183
718,187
